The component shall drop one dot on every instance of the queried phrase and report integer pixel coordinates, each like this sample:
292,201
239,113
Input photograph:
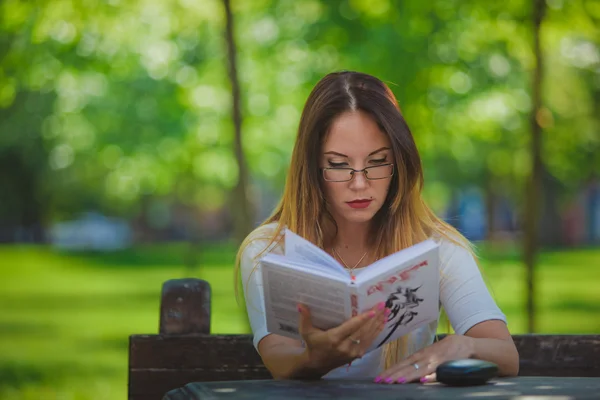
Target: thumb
304,324
429,378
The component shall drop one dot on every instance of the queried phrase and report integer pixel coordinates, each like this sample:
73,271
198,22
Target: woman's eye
379,161
337,165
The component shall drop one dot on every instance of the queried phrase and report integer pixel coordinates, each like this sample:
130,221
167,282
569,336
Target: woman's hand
422,364
341,345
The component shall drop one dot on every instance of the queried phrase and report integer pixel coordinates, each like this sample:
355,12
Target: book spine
353,291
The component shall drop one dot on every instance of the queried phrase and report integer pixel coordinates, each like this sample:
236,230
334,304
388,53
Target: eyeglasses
346,174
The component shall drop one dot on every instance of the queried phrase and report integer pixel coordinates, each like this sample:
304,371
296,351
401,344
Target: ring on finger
416,366
355,341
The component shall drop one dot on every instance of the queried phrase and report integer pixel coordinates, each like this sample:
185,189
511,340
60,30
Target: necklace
344,262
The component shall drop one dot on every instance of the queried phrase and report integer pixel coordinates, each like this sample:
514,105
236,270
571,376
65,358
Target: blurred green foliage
105,103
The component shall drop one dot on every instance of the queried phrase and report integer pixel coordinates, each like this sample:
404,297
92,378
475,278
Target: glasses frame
354,171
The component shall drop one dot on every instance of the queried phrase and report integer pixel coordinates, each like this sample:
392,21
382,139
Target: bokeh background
119,170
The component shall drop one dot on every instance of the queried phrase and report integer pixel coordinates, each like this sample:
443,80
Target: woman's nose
359,179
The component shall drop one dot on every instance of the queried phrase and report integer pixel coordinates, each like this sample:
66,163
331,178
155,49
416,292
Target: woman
354,189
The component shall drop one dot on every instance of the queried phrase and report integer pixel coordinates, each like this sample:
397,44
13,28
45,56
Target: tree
240,198
534,183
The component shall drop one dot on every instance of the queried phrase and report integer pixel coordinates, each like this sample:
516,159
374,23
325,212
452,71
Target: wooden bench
184,351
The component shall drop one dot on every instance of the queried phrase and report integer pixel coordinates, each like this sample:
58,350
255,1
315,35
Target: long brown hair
403,220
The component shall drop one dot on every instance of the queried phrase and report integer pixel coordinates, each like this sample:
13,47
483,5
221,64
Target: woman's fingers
373,330
365,334
305,325
348,341
414,358
363,338
429,378
409,373
353,337
412,374
354,324
410,369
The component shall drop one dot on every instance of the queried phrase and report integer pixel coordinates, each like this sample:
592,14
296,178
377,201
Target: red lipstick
359,203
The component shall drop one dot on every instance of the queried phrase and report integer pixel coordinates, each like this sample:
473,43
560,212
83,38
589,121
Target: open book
407,281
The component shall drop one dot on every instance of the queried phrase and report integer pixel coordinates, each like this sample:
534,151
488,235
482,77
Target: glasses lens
380,171
337,174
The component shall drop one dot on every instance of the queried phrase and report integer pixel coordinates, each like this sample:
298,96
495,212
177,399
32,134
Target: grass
66,318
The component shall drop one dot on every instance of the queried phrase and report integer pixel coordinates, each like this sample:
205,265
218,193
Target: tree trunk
533,189
25,197
240,204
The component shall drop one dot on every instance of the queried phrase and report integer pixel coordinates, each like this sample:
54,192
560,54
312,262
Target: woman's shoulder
453,246
262,237
264,232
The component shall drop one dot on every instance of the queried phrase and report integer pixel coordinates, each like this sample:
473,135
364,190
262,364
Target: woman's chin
358,217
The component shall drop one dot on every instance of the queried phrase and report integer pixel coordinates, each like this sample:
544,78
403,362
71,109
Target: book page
318,269
285,286
395,260
296,247
410,290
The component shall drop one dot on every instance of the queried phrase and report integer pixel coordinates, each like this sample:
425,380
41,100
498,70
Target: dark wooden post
185,307
158,363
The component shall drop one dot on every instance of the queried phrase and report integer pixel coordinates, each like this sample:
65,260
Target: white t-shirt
463,294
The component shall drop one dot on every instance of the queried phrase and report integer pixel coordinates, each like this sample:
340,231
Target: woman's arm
473,312
480,325
324,350
492,342
488,340
285,358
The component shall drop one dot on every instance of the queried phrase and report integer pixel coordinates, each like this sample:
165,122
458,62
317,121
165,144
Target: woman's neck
351,237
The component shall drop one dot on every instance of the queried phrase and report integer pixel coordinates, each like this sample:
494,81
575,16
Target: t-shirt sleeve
251,276
463,292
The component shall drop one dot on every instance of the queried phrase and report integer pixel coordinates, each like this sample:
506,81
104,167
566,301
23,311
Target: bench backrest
185,352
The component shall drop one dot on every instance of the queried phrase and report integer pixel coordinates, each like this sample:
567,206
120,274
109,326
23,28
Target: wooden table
519,388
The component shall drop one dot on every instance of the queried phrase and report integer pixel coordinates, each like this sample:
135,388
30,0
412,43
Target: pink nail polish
401,380
380,305
423,380
389,380
371,314
387,312
299,309
378,379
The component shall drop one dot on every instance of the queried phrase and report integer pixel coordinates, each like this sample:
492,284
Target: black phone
467,372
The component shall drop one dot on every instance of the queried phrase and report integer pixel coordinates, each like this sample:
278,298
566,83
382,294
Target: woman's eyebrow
335,153
378,150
